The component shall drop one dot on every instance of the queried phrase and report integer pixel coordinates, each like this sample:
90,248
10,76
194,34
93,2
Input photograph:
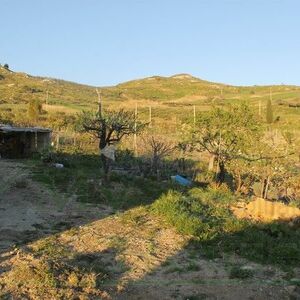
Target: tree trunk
262,190
267,187
154,166
211,162
239,183
104,159
105,166
221,173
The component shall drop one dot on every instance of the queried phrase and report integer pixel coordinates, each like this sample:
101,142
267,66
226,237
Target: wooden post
194,116
47,97
134,136
57,141
150,116
99,103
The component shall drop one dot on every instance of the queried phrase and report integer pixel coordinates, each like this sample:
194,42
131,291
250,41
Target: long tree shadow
75,196
87,248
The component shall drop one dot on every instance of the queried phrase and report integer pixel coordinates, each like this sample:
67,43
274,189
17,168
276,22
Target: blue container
181,180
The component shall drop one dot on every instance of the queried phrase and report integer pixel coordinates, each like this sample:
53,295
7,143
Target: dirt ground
144,259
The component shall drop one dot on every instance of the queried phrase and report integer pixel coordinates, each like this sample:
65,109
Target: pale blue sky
104,42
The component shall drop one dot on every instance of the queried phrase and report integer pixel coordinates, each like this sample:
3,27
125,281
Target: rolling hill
168,95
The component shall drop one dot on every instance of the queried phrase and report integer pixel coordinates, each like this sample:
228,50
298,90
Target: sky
105,42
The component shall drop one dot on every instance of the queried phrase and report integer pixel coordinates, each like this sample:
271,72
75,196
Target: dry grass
262,210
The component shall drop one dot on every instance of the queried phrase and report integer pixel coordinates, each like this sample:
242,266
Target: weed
21,183
174,269
118,243
192,266
240,273
50,247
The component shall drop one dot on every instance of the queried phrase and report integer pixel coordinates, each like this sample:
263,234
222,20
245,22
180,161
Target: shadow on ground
56,247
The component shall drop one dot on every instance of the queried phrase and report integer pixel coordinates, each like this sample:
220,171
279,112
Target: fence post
135,127
57,141
150,116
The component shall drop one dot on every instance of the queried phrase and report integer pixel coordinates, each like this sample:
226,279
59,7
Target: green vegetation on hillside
168,96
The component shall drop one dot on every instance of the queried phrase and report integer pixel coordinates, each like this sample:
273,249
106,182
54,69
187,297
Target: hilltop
18,87
172,95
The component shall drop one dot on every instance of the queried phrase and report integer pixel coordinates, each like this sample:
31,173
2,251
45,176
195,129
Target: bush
201,213
241,273
180,211
205,214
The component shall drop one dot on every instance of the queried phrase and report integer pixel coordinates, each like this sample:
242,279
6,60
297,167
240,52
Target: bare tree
158,148
109,127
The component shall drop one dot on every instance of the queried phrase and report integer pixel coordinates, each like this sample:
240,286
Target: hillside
169,95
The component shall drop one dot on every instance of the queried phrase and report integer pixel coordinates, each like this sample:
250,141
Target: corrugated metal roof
8,128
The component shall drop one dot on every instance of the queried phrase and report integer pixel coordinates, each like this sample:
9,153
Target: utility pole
99,103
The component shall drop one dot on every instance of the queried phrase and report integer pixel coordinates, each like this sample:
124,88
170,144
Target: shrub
201,213
241,273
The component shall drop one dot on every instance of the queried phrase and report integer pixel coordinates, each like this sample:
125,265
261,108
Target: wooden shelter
20,142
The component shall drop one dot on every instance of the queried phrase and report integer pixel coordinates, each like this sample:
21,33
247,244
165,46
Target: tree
243,176
109,127
272,162
6,66
158,148
269,112
34,110
225,134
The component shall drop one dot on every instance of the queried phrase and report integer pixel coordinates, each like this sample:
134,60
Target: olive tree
272,163
225,134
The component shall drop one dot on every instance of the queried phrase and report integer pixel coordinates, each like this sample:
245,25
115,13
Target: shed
19,142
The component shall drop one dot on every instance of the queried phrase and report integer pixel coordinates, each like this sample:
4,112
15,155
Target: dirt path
42,233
